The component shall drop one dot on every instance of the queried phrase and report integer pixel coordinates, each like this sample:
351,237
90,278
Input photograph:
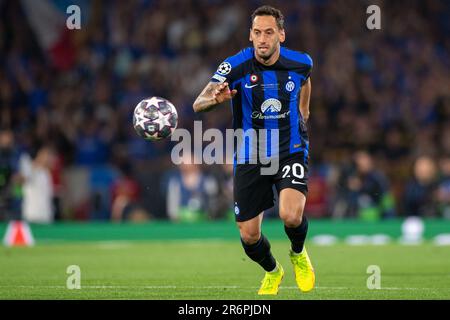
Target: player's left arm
305,95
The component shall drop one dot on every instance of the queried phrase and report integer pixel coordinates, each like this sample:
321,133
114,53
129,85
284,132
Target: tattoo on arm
205,101
208,90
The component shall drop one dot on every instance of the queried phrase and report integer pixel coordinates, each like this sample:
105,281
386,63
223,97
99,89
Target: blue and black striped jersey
268,97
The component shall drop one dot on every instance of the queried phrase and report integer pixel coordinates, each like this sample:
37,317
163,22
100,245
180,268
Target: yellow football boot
303,269
271,281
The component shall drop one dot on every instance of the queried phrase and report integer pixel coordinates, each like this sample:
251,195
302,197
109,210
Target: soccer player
269,88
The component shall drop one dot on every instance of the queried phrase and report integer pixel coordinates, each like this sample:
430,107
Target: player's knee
292,216
292,221
250,236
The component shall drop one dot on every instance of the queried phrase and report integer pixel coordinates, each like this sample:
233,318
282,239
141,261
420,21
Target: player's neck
273,58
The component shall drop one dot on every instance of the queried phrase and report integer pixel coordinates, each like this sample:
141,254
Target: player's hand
223,93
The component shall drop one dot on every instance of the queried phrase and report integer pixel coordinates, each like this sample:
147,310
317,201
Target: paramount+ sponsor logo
270,109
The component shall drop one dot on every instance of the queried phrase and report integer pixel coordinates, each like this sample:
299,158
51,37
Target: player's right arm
213,94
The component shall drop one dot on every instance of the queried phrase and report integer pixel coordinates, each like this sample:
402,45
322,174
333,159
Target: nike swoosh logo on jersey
248,87
297,182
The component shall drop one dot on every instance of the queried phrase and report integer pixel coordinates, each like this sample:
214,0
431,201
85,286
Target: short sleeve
231,69
307,69
223,73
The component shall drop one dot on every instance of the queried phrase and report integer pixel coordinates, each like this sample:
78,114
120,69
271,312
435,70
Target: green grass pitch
212,269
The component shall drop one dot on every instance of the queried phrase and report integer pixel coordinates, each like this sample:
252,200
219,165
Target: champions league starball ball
155,118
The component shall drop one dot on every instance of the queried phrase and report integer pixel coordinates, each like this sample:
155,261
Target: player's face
266,36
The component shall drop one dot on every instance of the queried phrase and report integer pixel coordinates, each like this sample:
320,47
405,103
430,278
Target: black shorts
253,192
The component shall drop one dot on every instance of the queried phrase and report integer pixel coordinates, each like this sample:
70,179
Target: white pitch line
217,287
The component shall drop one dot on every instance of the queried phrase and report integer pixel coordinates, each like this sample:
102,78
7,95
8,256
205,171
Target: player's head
424,169
363,161
6,138
267,31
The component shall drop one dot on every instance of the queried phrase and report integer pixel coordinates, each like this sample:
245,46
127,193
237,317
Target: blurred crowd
379,126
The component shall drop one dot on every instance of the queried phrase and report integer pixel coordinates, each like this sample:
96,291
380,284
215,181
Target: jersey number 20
298,171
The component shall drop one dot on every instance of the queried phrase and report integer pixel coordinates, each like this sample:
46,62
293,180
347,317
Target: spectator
443,188
125,198
8,175
188,192
37,203
419,198
366,193
221,201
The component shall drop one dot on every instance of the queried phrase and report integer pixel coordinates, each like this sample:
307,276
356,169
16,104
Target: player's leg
292,185
252,195
257,248
292,204
255,244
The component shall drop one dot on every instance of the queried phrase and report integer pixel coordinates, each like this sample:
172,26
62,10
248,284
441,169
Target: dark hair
269,11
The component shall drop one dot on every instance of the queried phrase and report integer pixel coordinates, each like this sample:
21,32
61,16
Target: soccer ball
155,118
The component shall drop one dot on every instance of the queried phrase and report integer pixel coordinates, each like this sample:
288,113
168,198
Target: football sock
297,235
274,270
260,253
